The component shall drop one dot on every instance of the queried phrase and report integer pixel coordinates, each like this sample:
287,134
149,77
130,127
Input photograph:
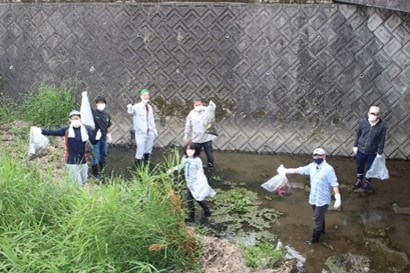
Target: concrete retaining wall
285,78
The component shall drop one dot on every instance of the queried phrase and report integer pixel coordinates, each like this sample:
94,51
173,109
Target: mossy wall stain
167,108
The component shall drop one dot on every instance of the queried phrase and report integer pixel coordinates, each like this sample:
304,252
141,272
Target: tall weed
8,109
48,106
49,225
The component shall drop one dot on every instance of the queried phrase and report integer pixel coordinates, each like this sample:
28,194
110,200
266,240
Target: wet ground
362,215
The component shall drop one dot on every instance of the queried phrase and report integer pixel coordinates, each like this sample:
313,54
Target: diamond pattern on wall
285,78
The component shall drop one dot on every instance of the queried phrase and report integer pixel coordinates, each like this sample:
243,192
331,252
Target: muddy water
346,229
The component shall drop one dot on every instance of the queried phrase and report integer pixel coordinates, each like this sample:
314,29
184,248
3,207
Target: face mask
76,123
145,101
318,160
101,107
372,118
198,108
190,153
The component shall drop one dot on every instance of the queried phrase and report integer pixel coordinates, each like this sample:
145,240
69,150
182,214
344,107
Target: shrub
48,106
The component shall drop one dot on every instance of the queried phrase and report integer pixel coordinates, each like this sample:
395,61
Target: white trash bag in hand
278,184
85,110
38,142
378,169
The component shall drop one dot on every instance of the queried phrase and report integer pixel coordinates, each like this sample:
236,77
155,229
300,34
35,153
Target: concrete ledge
400,5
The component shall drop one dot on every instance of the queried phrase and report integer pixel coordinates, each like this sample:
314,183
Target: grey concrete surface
285,78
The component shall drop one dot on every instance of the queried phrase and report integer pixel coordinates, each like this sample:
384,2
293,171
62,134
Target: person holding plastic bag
322,180
197,183
102,121
196,126
144,127
76,136
368,144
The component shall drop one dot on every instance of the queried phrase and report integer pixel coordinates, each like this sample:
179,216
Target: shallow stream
362,215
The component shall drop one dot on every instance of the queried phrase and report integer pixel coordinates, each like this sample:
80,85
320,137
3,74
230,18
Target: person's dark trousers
319,222
362,160
208,151
191,207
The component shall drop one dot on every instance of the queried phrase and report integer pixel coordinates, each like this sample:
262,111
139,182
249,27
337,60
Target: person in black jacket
369,144
76,136
102,120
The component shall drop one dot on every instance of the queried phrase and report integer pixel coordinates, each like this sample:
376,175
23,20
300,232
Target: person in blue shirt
322,180
76,136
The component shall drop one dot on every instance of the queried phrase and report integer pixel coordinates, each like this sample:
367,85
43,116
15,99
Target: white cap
319,151
74,113
374,110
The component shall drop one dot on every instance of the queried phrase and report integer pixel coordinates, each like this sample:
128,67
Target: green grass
263,255
49,225
48,106
8,110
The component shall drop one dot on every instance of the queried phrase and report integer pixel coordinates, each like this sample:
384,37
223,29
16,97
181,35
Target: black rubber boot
102,166
95,171
205,207
315,238
146,159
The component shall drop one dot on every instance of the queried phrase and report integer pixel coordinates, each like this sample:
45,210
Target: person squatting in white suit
144,127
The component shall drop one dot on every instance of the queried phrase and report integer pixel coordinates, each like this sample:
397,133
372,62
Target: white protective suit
144,126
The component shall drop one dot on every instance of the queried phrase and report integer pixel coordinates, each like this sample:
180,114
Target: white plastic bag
200,189
378,169
38,142
278,184
85,110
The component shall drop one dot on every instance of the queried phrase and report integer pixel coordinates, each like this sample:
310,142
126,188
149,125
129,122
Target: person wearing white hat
368,144
322,180
76,135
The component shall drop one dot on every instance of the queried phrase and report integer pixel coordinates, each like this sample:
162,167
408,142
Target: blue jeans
99,152
361,160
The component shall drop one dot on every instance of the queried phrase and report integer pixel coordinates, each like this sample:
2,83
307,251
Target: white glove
98,135
186,139
109,138
129,106
354,150
281,170
155,133
338,201
378,155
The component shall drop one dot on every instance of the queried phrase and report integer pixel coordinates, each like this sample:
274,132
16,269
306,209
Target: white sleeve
188,125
